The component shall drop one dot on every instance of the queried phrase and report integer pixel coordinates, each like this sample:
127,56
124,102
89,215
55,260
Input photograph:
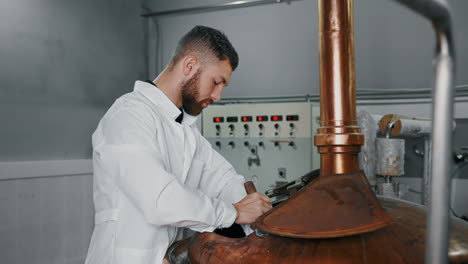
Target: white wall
62,64
278,44
46,211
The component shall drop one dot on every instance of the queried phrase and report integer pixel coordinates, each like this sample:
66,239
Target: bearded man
153,170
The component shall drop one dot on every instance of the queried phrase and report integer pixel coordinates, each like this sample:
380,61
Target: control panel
257,121
268,143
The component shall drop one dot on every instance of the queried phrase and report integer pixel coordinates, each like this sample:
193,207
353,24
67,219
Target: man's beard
190,94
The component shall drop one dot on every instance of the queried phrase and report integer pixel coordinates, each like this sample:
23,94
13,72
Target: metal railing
437,236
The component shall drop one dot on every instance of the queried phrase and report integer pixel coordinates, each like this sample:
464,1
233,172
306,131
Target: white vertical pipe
426,184
438,13
438,220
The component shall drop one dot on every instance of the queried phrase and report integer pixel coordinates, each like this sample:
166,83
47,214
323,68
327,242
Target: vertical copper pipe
338,138
339,142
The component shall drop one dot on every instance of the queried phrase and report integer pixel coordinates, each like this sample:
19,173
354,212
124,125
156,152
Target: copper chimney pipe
340,201
338,139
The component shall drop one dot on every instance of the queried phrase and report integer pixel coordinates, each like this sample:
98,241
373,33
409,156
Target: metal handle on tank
249,187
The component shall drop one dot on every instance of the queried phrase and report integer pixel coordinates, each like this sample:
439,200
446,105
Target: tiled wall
46,220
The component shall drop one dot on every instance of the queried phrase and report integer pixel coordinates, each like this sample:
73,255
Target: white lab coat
153,175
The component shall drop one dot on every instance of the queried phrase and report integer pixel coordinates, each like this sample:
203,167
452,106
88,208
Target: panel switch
277,130
282,173
231,130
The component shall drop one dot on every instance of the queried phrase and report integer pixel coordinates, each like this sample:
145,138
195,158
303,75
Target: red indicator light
218,119
246,118
292,118
262,118
277,118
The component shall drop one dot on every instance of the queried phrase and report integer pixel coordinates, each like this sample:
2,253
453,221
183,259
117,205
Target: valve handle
249,187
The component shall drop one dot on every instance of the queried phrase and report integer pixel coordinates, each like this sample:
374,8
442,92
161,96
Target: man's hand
251,207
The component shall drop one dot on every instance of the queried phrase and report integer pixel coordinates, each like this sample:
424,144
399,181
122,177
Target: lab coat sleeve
220,178
131,156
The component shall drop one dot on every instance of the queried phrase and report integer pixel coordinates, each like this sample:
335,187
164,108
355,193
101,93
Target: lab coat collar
189,119
162,101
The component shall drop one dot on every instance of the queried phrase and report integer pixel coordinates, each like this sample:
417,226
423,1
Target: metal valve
231,129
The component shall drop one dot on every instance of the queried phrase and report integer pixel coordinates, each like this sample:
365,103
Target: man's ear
190,65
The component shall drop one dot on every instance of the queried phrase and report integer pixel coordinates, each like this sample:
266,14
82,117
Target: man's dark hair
206,41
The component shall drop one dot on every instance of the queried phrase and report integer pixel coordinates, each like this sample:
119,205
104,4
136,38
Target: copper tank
401,242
